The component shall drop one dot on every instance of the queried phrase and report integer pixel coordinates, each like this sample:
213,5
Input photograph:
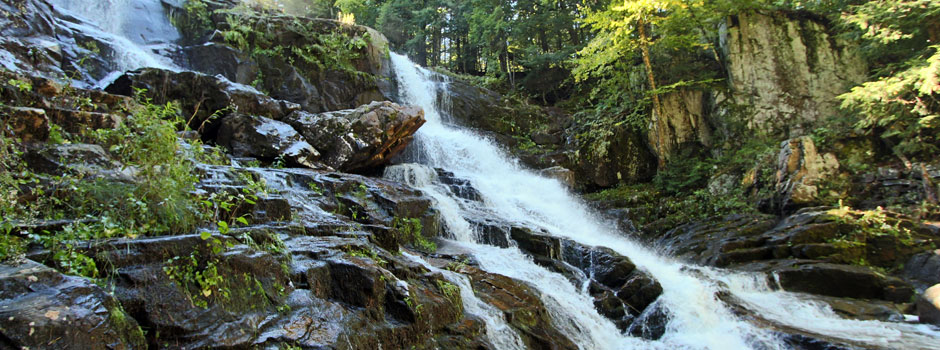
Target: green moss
322,47
410,229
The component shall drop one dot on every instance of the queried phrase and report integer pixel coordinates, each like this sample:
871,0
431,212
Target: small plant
315,188
22,85
450,291
367,253
410,229
413,304
203,276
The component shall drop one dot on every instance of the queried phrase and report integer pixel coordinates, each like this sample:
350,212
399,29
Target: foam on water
138,31
698,319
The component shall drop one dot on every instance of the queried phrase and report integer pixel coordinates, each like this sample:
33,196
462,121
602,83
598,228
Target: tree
625,27
903,104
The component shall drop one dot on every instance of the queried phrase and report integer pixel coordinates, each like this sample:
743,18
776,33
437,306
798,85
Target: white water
697,318
498,331
138,31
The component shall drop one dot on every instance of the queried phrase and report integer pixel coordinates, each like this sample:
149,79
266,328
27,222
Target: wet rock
614,274
42,309
266,139
361,138
205,98
861,309
221,59
357,283
799,169
538,245
27,124
563,175
77,157
460,187
639,292
843,281
928,306
651,324
29,38
924,268
522,306
491,232
722,242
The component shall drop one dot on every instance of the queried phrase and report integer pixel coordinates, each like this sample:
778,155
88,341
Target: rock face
42,309
360,138
620,156
202,97
254,124
788,69
800,168
268,139
685,120
318,86
809,251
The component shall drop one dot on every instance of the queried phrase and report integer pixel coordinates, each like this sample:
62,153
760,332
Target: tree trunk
657,106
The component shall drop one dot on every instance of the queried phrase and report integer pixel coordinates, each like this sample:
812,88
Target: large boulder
41,308
928,306
924,268
264,138
203,98
788,68
604,158
843,281
361,138
800,171
318,82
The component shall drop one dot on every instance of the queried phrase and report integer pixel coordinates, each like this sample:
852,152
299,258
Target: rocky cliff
788,69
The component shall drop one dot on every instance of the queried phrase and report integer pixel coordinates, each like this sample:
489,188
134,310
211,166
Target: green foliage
904,107
199,277
367,252
160,200
873,223
194,22
322,49
410,229
451,292
23,86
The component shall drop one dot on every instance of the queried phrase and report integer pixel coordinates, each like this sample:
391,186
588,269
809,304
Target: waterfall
498,331
698,319
139,32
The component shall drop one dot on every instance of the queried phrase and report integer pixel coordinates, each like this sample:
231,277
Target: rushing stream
141,35
698,319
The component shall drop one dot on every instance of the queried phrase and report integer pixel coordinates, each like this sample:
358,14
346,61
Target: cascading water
138,32
498,331
698,319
